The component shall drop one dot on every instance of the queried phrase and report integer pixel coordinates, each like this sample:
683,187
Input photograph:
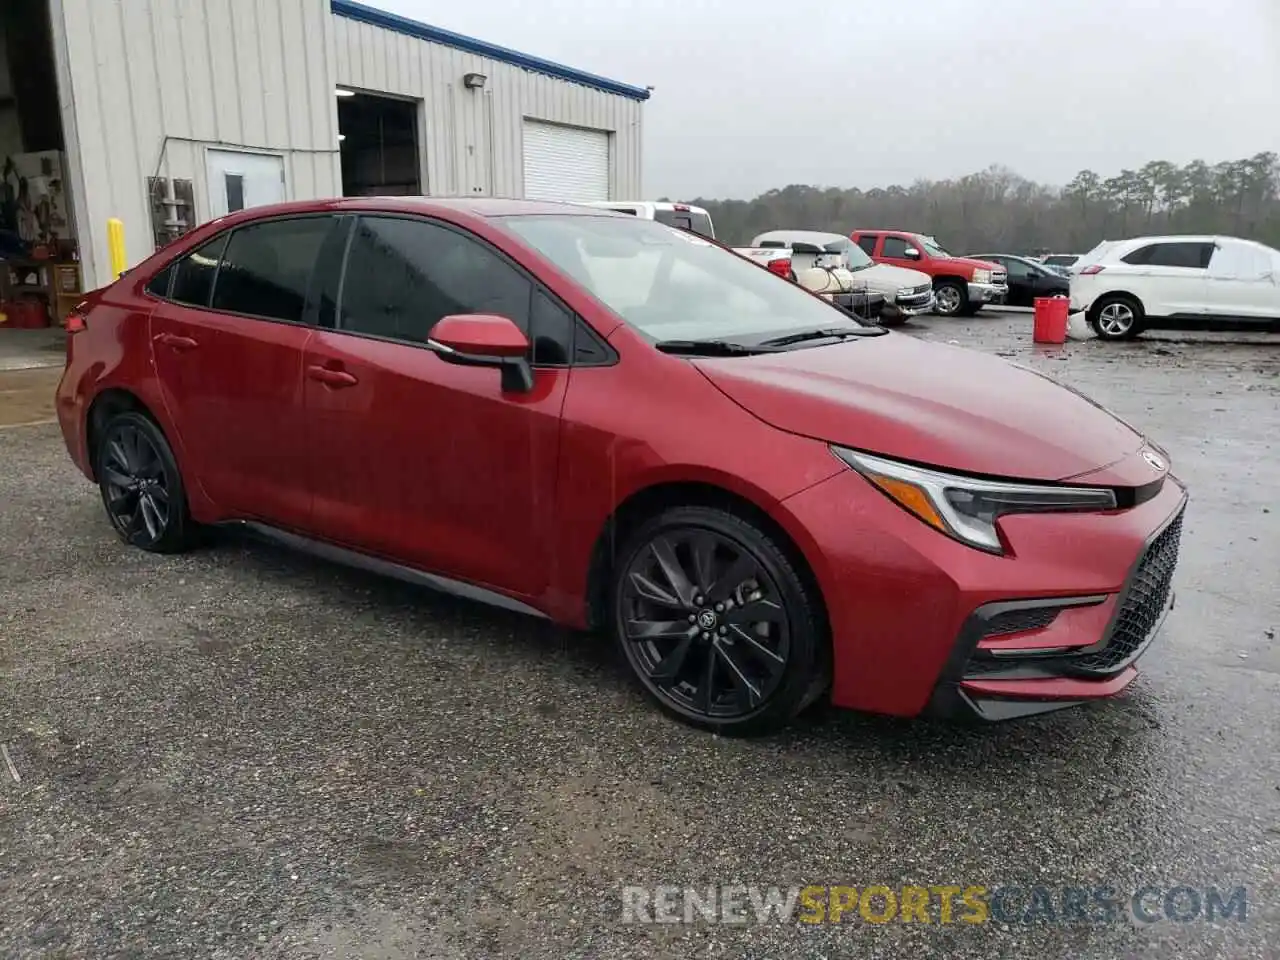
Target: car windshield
674,285
933,247
854,256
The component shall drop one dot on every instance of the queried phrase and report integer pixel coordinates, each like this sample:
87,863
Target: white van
681,215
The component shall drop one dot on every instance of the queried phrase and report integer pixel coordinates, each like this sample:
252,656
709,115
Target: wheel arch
105,405
953,277
650,500
1116,294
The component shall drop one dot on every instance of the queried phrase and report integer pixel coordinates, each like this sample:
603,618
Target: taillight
781,266
1089,271
76,319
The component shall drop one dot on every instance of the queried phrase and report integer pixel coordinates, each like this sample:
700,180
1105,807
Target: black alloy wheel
715,623
141,487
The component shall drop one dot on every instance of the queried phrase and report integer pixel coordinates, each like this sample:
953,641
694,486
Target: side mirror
485,340
911,253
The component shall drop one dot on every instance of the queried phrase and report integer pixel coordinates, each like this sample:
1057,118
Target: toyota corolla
621,426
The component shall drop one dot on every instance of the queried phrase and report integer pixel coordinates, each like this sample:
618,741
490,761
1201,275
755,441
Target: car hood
885,278
971,264
930,404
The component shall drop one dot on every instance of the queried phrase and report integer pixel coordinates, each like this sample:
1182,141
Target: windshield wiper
826,334
710,348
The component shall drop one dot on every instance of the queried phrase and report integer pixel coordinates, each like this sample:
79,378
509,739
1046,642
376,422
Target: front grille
1018,621
1142,607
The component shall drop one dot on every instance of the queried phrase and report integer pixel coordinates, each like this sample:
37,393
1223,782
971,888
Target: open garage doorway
378,145
40,270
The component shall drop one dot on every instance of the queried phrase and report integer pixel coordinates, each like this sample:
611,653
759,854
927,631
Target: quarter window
403,276
267,266
193,279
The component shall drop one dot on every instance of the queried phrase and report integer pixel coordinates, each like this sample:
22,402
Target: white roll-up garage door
565,163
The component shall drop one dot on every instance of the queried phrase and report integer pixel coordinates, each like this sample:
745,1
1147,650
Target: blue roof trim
391,21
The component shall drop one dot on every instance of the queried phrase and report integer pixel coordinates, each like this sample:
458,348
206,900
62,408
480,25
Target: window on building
193,277
403,276
235,192
267,266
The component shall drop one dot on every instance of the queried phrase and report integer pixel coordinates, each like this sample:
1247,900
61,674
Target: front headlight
982,276
965,508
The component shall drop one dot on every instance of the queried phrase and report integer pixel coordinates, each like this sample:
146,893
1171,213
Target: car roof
475,206
801,234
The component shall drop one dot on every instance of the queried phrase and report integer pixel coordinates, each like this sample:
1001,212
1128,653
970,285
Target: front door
228,345
239,180
417,460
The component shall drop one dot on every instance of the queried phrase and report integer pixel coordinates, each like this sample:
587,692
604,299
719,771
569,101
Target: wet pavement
243,752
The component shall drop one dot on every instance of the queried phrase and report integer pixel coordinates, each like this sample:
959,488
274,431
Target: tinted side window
193,278
159,284
403,276
552,331
868,244
895,247
266,267
1192,255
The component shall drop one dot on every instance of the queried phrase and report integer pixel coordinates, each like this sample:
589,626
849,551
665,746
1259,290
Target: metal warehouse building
166,113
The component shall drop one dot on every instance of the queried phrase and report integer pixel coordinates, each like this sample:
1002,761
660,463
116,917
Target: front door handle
175,341
330,377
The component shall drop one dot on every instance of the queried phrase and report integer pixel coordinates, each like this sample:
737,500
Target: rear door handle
330,377
175,341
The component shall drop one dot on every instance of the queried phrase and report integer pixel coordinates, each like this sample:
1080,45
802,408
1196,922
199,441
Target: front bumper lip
987,292
1043,680
912,306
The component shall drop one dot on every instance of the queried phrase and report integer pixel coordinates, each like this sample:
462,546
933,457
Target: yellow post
115,245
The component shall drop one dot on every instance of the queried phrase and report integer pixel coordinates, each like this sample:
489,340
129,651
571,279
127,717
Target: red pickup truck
961,286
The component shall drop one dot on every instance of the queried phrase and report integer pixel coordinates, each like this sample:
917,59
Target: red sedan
621,426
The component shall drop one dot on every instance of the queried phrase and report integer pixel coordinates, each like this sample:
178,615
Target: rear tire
951,298
141,487
716,624
1116,317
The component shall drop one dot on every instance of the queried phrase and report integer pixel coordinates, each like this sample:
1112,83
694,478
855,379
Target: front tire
951,298
1116,318
716,624
141,487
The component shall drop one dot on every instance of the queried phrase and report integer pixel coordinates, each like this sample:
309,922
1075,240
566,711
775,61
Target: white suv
1177,283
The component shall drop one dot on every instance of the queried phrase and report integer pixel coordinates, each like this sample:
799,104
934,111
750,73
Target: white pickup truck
819,272
906,293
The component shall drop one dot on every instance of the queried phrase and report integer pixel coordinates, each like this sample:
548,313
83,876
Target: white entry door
565,163
240,180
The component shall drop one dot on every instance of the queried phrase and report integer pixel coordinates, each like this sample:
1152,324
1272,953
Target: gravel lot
244,752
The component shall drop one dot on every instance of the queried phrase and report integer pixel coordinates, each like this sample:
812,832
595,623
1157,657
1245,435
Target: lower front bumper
910,306
987,293
1010,660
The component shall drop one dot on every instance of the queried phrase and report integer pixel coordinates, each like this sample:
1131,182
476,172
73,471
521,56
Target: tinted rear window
1178,254
267,266
689,220
193,280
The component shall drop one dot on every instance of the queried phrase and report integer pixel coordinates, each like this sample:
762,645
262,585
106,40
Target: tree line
999,211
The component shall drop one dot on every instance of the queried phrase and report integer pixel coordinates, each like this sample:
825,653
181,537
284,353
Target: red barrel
1050,320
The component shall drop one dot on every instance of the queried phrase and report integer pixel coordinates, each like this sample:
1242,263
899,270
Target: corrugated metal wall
147,85
471,139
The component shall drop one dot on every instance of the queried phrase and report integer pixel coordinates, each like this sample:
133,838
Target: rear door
1170,277
228,342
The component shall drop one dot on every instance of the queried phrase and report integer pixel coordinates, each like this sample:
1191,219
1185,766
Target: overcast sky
752,95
